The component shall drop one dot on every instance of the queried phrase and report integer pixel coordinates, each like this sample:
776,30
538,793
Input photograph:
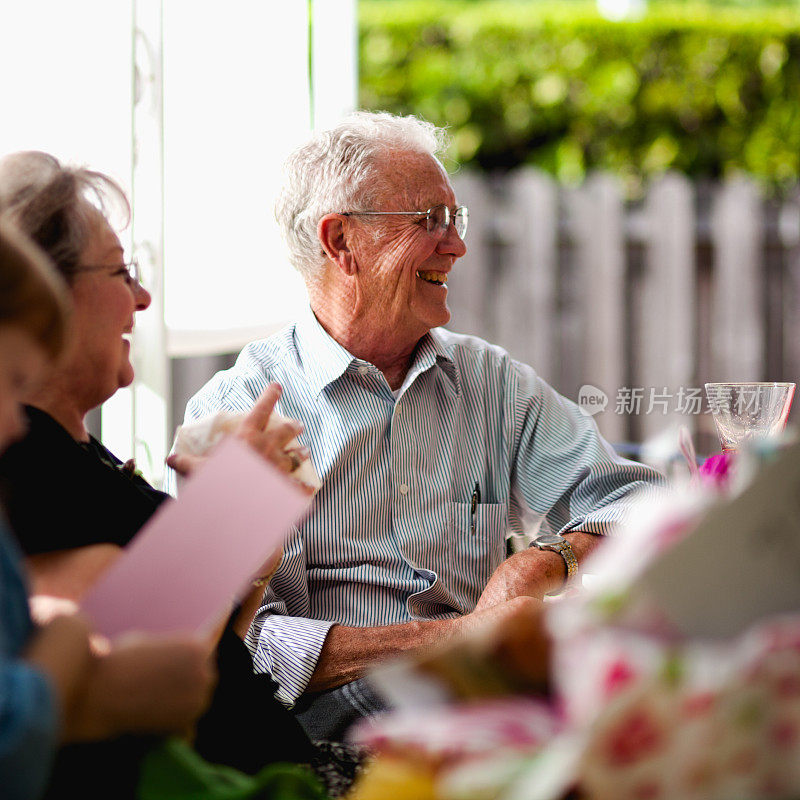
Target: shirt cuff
288,648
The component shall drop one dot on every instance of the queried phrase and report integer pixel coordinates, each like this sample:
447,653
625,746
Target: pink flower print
783,734
698,705
636,736
516,734
618,675
787,686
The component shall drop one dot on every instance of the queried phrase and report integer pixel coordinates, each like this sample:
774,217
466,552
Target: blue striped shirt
389,538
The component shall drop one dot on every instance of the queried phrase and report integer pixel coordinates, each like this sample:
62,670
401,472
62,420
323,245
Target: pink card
183,570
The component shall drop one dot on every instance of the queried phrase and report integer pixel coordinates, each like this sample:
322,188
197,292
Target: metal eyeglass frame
437,228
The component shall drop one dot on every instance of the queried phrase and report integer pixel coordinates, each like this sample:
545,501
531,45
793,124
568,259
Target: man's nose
451,243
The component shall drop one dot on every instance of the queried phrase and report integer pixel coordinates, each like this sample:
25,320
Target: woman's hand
252,600
70,573
268,436
145,684
60,649
271,440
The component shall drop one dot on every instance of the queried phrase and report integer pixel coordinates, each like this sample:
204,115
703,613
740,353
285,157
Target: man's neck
390,354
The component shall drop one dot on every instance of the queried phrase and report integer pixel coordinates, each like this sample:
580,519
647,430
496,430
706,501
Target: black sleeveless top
61,494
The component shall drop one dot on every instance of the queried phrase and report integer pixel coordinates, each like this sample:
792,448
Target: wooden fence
645,301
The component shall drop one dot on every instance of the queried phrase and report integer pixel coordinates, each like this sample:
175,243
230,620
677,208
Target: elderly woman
52,688
73,503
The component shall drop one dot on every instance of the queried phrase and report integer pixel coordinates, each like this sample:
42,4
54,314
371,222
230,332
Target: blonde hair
33,296
57,205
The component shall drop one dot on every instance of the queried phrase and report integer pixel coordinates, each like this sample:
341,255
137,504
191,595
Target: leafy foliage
704,91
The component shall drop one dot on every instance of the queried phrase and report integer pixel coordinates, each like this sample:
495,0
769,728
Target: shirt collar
324,359
431,351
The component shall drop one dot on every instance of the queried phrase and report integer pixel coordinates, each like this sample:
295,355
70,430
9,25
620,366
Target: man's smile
438,278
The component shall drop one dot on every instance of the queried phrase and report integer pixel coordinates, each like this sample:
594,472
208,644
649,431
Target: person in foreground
53,687
432,447
73,504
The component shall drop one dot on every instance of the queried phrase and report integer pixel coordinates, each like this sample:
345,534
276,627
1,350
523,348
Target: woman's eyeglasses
134,274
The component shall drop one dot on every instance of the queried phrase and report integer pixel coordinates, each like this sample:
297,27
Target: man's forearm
349,652
534,572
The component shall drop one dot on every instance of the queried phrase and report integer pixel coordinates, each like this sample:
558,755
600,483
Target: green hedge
706,92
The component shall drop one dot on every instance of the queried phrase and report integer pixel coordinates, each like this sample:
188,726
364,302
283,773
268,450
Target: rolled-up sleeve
563,470
29,723
288,647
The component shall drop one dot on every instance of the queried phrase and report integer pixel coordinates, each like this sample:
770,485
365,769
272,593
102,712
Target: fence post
525,324
789,230
737,333
595,215
665,342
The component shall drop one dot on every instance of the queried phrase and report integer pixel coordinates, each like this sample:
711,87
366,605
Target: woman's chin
125,377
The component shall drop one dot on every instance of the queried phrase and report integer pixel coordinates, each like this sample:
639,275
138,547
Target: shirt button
403,488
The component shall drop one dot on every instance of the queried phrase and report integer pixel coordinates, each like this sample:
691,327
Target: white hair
335,171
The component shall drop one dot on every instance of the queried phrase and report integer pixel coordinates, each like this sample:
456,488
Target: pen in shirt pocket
476,498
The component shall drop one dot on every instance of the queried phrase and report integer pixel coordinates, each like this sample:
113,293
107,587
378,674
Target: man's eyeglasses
130,268
437,218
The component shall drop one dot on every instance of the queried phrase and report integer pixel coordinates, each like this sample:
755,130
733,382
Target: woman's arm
70,573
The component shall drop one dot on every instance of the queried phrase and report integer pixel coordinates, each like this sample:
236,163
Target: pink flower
635,737
698,705
783,734
516,733
617,677
787,686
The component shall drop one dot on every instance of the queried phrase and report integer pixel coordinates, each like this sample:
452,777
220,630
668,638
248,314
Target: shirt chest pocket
477,540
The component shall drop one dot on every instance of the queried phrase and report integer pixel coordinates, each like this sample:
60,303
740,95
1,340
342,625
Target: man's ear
332,234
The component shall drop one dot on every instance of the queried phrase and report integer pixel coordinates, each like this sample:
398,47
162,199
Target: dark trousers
327,715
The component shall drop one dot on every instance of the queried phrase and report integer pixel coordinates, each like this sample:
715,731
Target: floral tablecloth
637,712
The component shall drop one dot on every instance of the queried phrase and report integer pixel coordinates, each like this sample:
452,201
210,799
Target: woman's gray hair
335,171
56,205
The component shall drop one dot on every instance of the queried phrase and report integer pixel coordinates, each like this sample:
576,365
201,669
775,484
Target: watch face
550,538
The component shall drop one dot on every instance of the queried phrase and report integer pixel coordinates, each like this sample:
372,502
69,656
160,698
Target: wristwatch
558,544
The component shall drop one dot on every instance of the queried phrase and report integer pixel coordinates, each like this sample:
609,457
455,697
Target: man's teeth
439,278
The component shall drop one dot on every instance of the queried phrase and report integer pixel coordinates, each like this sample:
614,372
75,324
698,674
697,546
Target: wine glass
748,411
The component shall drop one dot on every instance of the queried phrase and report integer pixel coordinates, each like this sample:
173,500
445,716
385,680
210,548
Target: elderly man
432,447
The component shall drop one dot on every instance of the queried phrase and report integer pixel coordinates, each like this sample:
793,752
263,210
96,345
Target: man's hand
533,572
505,648
155,685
